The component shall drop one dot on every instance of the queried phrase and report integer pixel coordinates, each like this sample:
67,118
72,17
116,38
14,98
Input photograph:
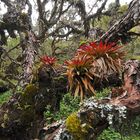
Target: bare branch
98,13
8,3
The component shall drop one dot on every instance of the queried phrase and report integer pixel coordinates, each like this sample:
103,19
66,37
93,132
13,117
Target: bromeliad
47,60
93,61
107,57
79,76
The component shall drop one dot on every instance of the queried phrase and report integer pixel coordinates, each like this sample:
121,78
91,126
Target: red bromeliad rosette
107,57
98,50
47,60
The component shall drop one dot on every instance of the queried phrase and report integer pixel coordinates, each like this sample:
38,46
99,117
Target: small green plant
5,97
67,106
104,93
131,129
110,134
128,131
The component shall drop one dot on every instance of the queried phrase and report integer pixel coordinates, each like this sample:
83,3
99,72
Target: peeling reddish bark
130,96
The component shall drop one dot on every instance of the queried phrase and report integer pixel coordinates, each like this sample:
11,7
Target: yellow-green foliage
123,9
37,67
135,57
74,126
27,102
2,83
28,95
30,89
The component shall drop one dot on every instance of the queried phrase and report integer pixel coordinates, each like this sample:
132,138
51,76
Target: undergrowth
128,131
4,97
67,106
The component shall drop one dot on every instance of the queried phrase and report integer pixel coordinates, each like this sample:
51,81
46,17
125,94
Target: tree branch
119,31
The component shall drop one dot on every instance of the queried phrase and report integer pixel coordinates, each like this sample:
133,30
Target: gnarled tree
21,117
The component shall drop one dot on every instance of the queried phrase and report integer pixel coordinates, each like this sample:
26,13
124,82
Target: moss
5,97
5,117
2,83
27,114
135,57
28,95
26,106
3,86
74,126
36,69
30,89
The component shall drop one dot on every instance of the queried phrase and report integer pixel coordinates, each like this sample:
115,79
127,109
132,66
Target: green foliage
30,89
9,68
102,94
133,48
4,97
27,97
67,106
131,128
128,131
3,83
12,42
123,9
62,49
103,23
135,57
133,137
110,134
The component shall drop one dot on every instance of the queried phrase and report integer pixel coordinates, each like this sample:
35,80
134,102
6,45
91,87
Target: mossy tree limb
120,30
22,116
